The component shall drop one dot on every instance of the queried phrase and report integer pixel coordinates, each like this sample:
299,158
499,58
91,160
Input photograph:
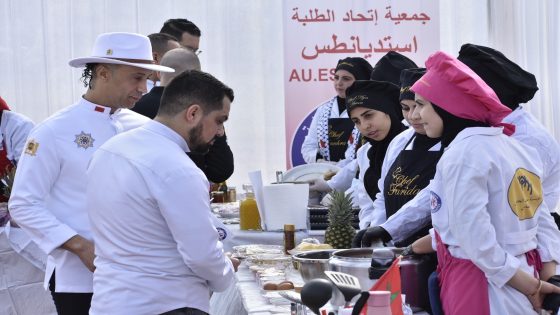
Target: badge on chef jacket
84,140
435,202
31,147
222,230
525,194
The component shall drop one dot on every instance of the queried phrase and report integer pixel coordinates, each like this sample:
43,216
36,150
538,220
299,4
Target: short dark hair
176,28
160,42
194,87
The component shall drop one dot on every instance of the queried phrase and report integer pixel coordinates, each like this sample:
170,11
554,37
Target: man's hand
82,248
235,263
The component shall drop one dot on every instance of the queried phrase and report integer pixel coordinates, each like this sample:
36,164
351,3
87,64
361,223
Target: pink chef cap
454,87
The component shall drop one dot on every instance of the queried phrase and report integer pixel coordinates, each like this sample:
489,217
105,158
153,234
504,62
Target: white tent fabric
242,45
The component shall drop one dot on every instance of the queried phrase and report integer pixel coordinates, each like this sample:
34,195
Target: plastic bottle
249,218
289,238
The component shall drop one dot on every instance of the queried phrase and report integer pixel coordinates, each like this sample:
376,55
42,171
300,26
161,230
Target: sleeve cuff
545,255
364,224
225,281
433,238
55,238
391,230
506,273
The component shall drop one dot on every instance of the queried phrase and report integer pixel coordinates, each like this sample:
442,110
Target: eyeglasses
196,51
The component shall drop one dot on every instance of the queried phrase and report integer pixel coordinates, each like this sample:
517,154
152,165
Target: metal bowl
356,262
312,264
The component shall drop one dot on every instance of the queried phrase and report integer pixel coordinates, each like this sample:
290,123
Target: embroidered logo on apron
324,135
84,140
435,202
525,194
402,184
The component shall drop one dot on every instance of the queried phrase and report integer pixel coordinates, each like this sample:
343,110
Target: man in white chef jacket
48,196
158,251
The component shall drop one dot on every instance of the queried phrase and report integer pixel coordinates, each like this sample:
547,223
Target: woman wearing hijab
513,86
486,198
332,136
387,69
374,108
408,167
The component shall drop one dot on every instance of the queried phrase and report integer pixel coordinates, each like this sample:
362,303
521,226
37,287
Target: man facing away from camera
157,249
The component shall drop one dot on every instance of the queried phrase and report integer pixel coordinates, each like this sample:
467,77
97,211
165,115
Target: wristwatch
408,251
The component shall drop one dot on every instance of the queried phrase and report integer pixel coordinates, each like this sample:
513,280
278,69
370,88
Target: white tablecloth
246,297
237,237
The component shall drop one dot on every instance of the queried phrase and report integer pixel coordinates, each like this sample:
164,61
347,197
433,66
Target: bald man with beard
217,163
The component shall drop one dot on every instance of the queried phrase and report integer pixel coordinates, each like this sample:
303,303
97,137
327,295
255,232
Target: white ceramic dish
308,172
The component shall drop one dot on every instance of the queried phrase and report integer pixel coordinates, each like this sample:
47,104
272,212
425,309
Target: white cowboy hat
122,49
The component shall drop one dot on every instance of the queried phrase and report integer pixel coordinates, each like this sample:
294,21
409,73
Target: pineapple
340,232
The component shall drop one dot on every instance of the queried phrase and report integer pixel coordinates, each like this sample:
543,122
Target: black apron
411,172
340,131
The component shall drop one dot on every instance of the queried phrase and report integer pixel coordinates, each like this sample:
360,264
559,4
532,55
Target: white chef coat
156,245
471,210
309,148
531,132
14,129
48,196
359,191
343,179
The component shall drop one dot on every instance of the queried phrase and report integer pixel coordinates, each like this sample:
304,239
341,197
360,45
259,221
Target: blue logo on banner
299,136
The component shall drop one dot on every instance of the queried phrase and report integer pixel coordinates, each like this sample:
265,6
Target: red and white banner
317,33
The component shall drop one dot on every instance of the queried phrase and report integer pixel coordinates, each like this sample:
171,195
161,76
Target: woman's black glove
552,301
357,241
364,238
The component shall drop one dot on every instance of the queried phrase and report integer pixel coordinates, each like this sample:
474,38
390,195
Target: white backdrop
242,46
